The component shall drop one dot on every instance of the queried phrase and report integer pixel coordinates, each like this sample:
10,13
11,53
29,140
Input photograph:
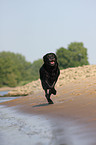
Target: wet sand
73,114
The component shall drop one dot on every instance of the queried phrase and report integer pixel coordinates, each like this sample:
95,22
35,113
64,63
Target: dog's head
50,59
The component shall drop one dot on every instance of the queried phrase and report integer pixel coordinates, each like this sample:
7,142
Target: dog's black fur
49,73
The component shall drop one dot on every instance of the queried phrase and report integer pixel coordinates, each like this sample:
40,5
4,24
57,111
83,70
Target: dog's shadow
41,105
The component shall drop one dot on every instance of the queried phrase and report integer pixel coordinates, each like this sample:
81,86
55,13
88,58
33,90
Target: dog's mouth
52,62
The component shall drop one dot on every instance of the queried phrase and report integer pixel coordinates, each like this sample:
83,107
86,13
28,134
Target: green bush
15,69
75,55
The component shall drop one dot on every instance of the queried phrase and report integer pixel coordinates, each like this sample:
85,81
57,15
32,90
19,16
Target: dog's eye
50,57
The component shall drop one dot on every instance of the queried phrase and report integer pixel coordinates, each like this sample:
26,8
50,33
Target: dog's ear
45,58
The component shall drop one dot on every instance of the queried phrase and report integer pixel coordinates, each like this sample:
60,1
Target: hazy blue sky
35,27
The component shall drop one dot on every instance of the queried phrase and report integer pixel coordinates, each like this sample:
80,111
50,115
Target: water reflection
4,99
2,93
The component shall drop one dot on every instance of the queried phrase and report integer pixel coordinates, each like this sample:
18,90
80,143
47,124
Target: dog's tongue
52,62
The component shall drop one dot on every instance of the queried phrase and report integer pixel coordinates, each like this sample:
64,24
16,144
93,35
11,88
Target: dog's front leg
47,95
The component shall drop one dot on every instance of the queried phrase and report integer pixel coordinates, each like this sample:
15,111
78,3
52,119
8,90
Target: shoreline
75,103
6,89
72,117
78,98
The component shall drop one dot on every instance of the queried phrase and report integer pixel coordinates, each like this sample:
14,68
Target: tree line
75,55
15,70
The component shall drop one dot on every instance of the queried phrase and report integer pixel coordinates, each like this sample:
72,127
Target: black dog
49,73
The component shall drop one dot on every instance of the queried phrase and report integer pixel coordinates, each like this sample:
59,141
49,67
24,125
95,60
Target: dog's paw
50,101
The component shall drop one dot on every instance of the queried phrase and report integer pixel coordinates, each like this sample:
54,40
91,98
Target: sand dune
66,76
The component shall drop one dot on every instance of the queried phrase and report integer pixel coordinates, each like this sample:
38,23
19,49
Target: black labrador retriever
49,73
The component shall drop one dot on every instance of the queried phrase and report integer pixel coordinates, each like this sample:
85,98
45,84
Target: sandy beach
73,114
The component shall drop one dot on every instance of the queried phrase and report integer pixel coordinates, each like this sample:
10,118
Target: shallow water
4,99
3,93
17,128
72,133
